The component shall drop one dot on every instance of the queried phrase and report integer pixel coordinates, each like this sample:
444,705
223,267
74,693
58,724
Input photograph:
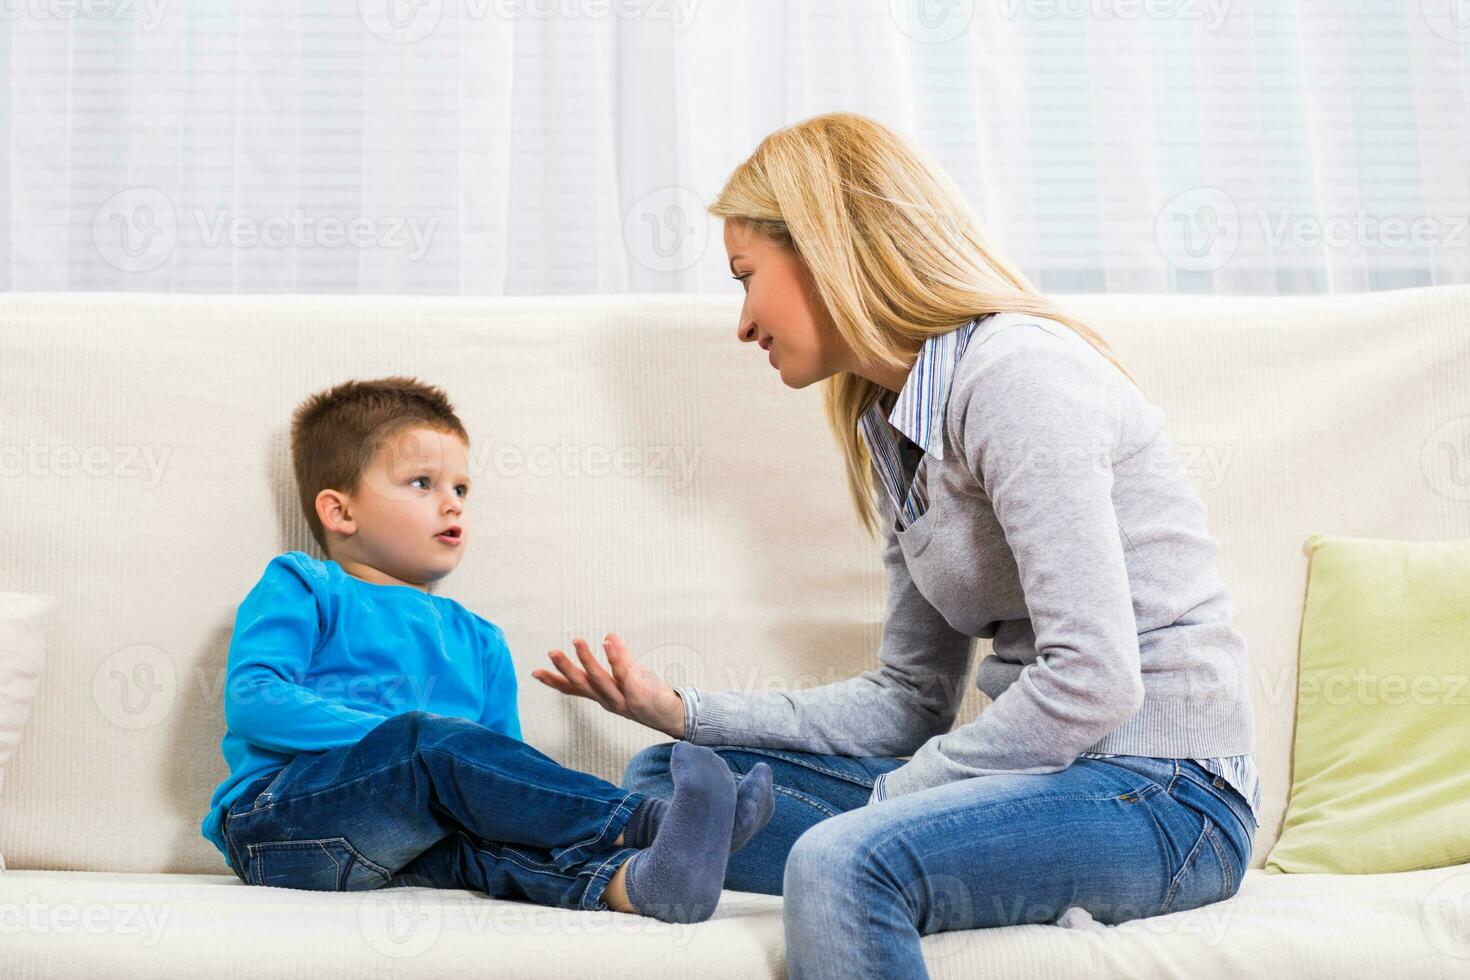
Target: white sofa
637,470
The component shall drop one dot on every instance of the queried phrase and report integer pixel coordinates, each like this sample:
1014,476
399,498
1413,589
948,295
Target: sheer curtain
568,146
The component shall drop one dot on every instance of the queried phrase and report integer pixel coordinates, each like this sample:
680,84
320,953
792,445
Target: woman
1027,494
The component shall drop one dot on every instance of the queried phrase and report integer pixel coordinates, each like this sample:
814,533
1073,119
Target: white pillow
22,651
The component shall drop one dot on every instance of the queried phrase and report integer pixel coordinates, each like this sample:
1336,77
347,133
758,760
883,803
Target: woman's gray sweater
1061,525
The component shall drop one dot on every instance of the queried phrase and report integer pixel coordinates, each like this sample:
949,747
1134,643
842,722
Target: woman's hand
629,690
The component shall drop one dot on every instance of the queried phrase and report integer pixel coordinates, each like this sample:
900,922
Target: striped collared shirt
918,414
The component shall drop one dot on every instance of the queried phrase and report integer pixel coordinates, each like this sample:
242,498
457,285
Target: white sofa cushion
22,655
637,469
146,926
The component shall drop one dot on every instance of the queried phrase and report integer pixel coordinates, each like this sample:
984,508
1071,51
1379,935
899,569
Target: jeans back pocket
327,864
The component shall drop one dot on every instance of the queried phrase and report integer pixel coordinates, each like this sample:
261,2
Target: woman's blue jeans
427,799
1123,838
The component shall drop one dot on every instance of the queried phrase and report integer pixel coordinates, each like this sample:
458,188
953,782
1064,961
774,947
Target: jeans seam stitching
529,864
369,863
1218,847
1223,791
266,792
327,789
596,838
812,801
1188,862
847,777
598,874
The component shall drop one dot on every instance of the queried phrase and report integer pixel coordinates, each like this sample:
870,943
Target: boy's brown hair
335,433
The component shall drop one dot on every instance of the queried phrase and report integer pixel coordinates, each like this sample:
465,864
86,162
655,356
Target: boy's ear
332,511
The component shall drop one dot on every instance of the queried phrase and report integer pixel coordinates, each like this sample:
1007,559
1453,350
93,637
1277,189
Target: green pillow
1381,762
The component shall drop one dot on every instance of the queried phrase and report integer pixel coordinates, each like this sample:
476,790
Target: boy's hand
629,690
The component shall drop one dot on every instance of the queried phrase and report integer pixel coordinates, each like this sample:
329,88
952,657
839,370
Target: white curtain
566,146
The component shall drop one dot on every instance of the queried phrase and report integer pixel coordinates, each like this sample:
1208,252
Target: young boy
372,728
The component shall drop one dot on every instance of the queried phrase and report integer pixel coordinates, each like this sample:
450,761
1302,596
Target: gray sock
754,804
679,877
642,826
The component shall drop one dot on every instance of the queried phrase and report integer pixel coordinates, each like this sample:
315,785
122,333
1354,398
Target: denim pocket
328,864
1207,874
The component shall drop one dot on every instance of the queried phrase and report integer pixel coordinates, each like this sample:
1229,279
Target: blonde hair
895,251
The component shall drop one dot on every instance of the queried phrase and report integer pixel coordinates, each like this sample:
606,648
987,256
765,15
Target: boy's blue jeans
426,799
1123,838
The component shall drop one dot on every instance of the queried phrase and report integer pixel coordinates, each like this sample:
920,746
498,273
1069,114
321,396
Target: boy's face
411,493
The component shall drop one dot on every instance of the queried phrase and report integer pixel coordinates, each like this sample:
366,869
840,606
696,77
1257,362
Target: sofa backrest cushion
637,470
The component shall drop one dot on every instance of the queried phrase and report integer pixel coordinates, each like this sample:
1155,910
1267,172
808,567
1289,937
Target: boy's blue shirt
319,658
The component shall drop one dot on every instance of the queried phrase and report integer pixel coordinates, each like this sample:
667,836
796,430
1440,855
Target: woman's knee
649,768
826,853
866,862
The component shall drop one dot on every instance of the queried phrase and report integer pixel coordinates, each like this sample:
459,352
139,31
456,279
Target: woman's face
783,313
